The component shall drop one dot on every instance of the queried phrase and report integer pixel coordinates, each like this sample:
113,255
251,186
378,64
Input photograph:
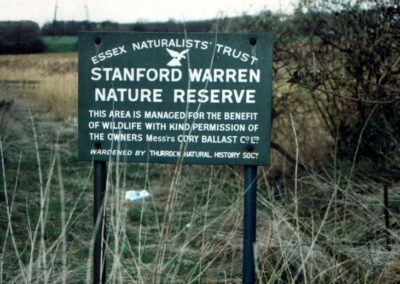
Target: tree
352,69
20,37
71,28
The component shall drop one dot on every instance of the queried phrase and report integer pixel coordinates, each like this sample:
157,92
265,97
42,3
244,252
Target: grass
61,44
318,226
56,78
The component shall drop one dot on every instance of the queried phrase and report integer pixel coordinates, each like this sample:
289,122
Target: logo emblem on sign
176,57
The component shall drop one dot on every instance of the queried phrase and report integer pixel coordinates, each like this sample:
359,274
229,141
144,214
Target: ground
320,226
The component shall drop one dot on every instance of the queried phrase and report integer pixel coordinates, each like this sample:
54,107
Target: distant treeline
20,37
71,28
27,37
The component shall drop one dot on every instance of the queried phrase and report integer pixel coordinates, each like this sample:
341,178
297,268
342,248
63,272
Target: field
313,226
53,77
61,44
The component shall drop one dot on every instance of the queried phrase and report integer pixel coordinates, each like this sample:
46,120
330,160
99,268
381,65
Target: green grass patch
60,44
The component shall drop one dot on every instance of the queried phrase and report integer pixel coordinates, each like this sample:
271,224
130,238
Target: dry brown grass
57,76
288,99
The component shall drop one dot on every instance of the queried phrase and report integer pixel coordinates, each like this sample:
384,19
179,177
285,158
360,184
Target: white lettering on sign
164,114
196,44
164,43
207,127
127,94
234,53
121,125
177,154
227,155
156,126
224,75
112,152
214,96
169,95
136,74
130,137
228,75
215,139
108,54
119,114
240,115
160,138
97,113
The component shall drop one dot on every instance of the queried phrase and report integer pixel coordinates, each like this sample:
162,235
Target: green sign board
195,98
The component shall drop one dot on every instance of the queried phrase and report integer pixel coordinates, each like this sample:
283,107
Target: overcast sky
42,11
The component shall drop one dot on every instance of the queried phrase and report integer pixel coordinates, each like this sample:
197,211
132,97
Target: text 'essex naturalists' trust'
222,49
